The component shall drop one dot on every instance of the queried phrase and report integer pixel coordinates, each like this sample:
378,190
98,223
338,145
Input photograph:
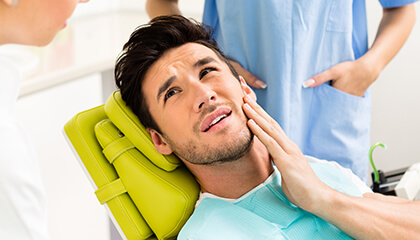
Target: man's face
197,102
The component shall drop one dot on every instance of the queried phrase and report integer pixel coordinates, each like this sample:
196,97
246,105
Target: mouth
214,119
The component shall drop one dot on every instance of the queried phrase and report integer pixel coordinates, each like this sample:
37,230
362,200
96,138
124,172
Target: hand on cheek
295,170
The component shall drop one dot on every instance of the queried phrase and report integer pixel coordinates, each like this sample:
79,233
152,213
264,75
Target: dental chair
147,195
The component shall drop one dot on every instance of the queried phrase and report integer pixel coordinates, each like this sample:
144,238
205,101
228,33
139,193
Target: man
315,59
195,105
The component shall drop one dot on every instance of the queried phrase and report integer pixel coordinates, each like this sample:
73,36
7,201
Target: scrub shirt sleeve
395,3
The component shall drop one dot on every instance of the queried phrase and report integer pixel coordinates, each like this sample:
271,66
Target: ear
160,143
247,90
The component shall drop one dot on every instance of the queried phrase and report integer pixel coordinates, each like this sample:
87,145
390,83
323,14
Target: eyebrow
165,86
204,61
169,82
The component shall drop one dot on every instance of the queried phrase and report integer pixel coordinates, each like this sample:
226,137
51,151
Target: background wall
74,211
395,100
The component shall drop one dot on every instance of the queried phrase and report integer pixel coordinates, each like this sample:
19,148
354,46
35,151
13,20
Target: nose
204,96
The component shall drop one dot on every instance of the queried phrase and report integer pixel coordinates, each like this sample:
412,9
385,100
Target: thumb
318,79
250,78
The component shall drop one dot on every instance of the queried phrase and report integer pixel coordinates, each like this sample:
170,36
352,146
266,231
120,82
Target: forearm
382,217
156,8
393,31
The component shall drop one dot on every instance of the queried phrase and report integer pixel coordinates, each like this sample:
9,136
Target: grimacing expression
197,103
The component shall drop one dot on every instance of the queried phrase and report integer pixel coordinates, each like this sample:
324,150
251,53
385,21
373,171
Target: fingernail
261,84
248,98
308,83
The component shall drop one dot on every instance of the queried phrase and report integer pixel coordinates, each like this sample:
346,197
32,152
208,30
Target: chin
45,41
45,37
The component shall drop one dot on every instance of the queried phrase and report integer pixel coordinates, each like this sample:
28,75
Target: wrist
369,70
371,65
330,203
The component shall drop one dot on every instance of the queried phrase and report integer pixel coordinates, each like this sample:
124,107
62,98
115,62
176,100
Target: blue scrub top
284,43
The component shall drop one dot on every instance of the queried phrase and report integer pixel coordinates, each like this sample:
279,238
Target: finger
256,107
261,112
319,79
273,130
250,78
269,142
280,156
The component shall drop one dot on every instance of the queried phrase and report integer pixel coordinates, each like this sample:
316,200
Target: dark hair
145,46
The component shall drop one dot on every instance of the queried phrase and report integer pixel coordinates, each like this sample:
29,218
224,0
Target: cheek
172,122
175,123
52,19
63,11
233,91
58,13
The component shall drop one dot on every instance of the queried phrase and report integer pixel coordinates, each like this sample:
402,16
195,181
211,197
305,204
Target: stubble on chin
204,154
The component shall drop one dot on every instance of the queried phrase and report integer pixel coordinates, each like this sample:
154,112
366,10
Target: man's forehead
187,53
184,56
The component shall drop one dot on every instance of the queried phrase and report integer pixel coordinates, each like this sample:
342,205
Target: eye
170,93
205,71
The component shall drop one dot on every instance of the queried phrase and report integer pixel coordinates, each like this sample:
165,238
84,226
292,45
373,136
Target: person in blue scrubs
315,61
253,186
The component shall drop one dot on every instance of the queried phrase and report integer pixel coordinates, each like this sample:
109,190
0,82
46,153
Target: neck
234,179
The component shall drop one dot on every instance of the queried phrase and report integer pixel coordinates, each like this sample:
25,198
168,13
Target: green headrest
128,123
149,195
164,199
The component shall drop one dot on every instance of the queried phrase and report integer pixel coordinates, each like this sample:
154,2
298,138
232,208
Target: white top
22,199
360,185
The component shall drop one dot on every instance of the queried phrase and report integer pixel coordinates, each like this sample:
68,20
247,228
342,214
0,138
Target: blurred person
23,213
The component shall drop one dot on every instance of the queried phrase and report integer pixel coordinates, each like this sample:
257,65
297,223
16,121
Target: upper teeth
217,119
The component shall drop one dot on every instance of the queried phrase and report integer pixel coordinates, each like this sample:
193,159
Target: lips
214,118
